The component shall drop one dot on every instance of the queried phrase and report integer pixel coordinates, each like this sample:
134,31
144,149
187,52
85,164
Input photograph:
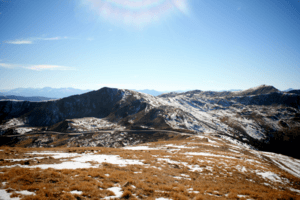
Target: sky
165,45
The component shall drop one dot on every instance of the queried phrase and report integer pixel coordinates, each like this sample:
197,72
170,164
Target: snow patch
81,161
6,196
25,192
56,155
117,190
179,146
295,190
22,131
76,192
241,168
269,175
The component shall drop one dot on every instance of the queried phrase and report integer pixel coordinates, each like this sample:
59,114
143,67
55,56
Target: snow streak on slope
286,163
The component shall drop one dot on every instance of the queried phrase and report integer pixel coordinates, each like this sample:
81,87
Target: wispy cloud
8,66
53,38
18,42
90,39
48,67
31,40
36,67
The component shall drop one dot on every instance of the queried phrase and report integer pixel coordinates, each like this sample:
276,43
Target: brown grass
219,178
25,143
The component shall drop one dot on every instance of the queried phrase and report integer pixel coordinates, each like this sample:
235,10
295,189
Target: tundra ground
195,167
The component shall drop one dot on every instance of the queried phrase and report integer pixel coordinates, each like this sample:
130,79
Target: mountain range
47,93
262,117
22,98
56,93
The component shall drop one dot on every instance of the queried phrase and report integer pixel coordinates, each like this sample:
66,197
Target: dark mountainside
92,104
262,117
294,91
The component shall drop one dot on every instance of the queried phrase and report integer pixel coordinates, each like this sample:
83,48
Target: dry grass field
197,167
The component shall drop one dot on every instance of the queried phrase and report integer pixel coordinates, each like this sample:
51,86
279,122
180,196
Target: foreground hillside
263,117
189,167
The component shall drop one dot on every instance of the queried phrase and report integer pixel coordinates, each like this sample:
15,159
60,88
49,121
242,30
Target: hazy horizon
5,90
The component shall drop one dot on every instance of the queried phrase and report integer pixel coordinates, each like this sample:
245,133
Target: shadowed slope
92,104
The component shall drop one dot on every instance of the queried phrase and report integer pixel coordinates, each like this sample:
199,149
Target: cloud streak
8,66
48,67
32,40
19,42
36,67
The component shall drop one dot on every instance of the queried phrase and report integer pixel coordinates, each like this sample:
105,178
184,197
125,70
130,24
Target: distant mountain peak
151,92
261,89
288,90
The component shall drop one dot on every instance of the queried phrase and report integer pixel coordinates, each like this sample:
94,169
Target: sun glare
136,12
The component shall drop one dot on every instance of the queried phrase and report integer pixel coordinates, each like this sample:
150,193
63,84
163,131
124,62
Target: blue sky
157,44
